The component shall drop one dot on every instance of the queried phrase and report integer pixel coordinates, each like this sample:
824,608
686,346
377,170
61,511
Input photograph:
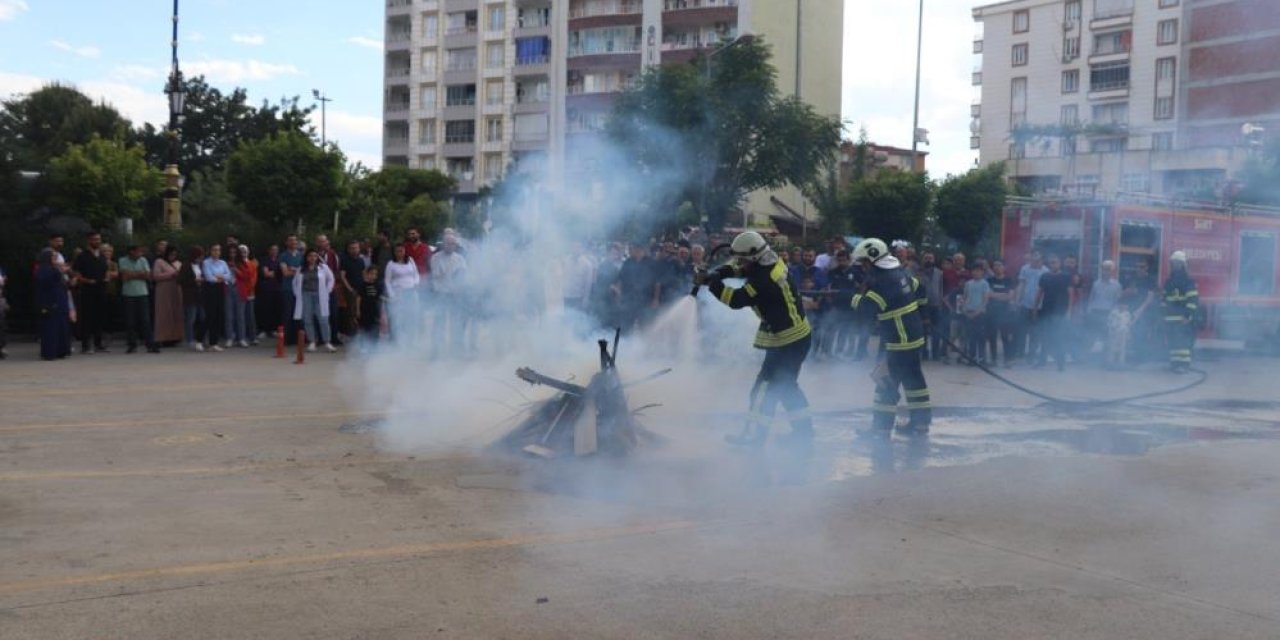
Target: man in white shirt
448,277
579,274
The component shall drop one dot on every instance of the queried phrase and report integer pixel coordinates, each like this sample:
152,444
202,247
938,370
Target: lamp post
915,113
324,102
706,68
177,99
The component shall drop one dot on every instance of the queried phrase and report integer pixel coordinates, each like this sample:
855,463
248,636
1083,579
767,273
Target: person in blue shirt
290,263
218,281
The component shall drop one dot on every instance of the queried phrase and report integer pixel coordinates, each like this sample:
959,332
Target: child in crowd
973,306
1118,323
369,305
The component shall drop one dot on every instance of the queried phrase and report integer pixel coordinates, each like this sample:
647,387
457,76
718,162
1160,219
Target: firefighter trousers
903,370
778,382
1182,338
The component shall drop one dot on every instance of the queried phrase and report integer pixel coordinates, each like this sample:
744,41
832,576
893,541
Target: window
1109,76
604,40
460,95
497,19
1164,108
460,59
977,78
493,92
427,162
531,17
533,50
1257,264
1107,145
1103,9
459,131
1019,54
430,27
1071,81
1071,14
1021,21
1112,113
1069,115
427,97
977,46
1105,44
427,131
493,130
531,127
1165,4
1166,71
1070,48
1167,32
460,168
1067,146
429,61
1165,68
1135,183
460,22
1162,141
533,91
1017,151
1017,102
493,166
495,56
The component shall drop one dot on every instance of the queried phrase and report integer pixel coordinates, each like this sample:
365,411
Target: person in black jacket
896,297
784,335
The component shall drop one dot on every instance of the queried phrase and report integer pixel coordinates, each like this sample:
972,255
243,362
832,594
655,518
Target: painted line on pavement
168,422
409,550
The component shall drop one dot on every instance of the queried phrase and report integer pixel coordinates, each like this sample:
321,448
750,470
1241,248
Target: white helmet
749,246
1178,256
872,249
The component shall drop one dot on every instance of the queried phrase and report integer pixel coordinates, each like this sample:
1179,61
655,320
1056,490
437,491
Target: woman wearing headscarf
311,288
168,303
54,305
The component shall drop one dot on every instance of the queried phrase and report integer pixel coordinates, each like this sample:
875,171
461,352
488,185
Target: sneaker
311,347
153,349
227,344
330,348
196,346
244,344
261,335
215,347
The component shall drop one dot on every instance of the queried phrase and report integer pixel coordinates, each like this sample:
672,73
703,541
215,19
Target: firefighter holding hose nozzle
896,298
784,335
1181,306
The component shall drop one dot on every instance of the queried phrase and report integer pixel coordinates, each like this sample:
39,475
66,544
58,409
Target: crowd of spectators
223,295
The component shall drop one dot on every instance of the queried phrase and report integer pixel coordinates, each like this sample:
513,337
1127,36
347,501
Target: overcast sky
118,51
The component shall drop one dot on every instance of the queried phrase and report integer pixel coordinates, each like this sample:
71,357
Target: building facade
475,85
1107,96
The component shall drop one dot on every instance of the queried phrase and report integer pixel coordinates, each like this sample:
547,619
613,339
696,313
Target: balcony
397,104
461,5
399,7
693,12
399,39
579,10
402,71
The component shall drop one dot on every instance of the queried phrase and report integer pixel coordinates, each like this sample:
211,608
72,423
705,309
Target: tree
102,181
968,205
42,125
712,131
383,198
285,179
890,206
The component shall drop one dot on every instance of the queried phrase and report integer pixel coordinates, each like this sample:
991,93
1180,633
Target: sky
118,51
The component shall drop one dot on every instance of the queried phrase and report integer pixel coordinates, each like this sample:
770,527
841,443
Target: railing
1109,85
397,141
398,106
460,102
399,36
395,4
460,31
602,49
531,136
676,5
399,73
591,10
531,60
460,138
461,65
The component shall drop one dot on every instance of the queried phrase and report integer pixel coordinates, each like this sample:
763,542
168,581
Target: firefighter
784,335
1181,305
896,297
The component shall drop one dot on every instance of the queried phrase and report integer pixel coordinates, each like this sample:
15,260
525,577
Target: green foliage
42,125
383,198
719,129
422,212
102,181
285,179
890,206
968,206
824,193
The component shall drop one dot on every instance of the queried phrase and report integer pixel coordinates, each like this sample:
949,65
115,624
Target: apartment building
1106,96
473,85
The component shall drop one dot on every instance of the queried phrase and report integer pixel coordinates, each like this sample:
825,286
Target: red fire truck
1231,251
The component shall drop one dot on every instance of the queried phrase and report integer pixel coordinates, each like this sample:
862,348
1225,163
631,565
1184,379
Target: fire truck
1231,251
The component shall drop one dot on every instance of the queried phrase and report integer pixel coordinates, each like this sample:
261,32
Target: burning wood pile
580,420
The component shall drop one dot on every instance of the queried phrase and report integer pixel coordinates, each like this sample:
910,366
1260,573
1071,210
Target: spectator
1026,342
135,271
1054,304
369,306
1119,322
1140,294
402,282
448,278
4,312
419,252
217,281
90,269
1103,297
846,280
973,313
604,292
579,274
290,262
381,253
1000,314
330,259
267,308
168,297
351,268
189,281
53,302
636,284
312,287
114,309
235,328
243,321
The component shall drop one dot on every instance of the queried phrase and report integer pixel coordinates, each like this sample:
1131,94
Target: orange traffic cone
279,342
302,347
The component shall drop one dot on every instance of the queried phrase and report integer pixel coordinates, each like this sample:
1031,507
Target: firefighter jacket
896,297
773,297
1181,299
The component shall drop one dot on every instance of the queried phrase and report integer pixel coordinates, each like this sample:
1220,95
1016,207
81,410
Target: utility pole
177,98
324,102
915,118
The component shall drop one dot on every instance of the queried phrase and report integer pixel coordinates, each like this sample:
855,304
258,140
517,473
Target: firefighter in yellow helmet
896,297
1181,306
783,335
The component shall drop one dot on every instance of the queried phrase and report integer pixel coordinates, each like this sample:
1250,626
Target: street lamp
177,101
706,68
324,102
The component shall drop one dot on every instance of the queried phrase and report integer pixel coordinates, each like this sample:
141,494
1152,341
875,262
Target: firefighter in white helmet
896,297
783,335
1181,308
